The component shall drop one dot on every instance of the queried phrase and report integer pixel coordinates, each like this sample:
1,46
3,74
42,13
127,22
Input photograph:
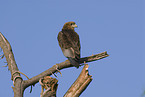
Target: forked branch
19,84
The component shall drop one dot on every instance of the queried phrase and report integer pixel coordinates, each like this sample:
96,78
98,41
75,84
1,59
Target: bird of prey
69,43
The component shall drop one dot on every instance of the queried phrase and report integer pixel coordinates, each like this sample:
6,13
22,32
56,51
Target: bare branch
60,66
19,84
5,45
94,57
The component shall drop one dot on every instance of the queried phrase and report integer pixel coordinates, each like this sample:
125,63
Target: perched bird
69,43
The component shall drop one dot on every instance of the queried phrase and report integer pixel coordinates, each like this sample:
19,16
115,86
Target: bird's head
69,26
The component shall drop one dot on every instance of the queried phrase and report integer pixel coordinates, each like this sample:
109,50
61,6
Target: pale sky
115,26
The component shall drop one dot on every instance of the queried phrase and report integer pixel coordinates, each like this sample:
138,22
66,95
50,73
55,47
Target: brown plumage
69,43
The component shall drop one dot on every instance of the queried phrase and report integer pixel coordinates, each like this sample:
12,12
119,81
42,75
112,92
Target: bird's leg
58,69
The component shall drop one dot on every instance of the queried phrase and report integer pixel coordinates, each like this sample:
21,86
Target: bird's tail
74,62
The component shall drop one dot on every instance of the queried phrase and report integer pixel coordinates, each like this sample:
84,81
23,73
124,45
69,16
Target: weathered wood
19,84
60,66
15,76
50,85
80,84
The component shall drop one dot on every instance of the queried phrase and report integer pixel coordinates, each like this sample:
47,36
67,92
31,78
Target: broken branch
80,84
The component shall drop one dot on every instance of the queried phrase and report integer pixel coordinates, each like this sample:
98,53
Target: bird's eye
72,23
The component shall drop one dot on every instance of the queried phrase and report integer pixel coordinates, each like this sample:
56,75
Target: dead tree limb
61,66
80,84
15,75
19,84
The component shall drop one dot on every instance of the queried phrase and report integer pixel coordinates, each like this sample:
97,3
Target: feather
74,62
69,43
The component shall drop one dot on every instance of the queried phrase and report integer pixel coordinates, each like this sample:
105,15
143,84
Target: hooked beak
74,26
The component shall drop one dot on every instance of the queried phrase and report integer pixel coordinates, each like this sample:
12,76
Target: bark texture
15,75
80,84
